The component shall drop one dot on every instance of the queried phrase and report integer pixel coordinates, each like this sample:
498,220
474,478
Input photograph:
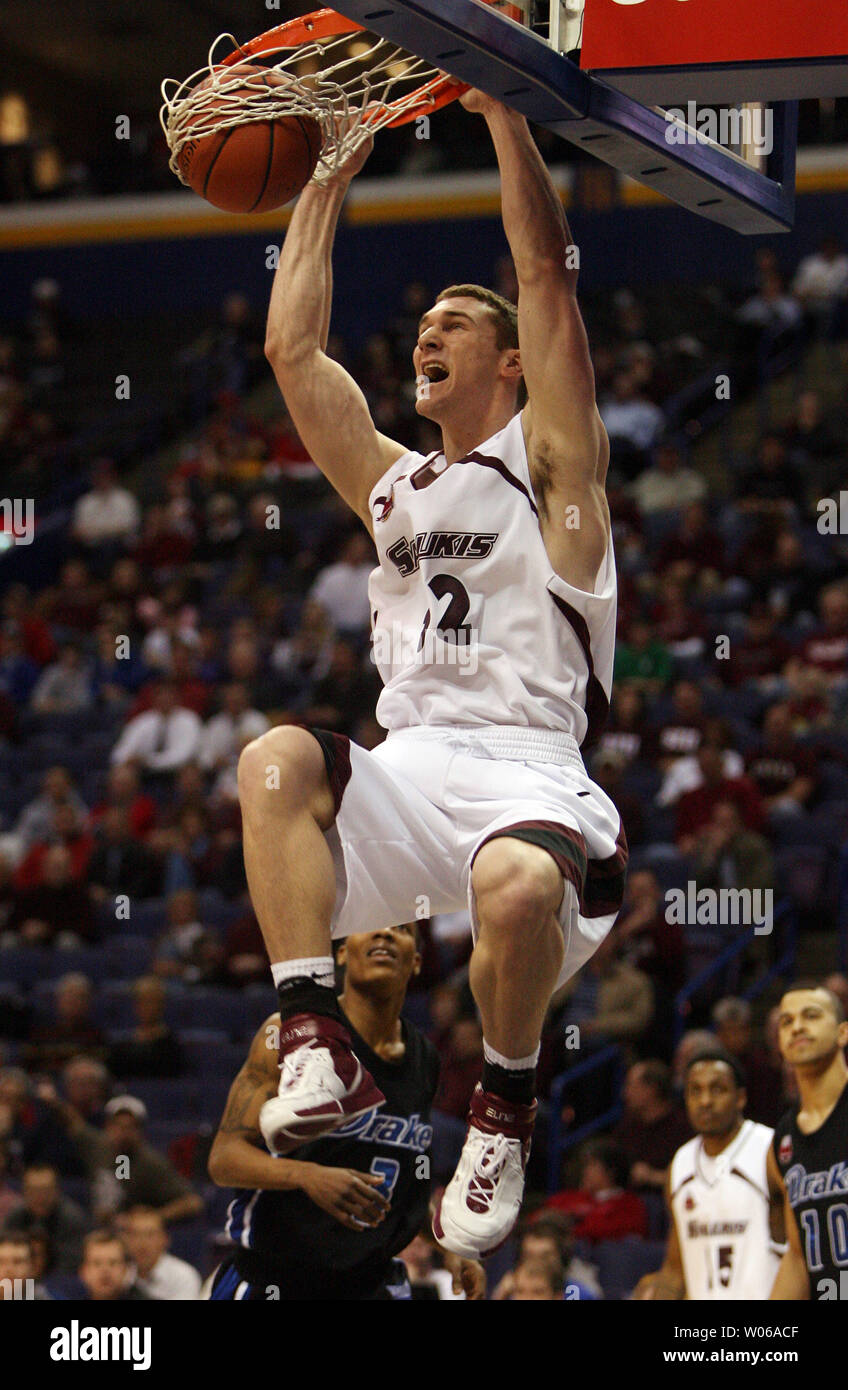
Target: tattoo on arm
251,1088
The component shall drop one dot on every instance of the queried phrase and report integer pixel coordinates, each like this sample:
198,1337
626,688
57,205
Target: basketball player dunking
809,1155
726,1215
479,795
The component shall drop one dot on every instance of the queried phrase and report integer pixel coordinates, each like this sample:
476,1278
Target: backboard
533,69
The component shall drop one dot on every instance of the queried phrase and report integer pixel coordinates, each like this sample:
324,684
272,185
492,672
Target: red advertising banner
658,33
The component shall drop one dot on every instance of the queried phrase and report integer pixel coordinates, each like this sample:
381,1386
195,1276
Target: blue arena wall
630,246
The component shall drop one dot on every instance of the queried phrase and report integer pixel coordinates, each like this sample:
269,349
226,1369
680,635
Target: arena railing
785,915
560,1141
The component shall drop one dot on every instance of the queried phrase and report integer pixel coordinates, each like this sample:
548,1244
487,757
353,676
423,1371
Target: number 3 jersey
814,1168
471,623
721,1211
293,1249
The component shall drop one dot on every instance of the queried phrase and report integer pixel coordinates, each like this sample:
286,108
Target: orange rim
328,24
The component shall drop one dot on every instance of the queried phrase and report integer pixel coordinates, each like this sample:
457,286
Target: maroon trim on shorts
336,750
599,883
565,845
597,704
605,880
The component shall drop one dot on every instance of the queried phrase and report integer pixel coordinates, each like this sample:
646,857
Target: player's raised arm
328,408
555,356
792,1281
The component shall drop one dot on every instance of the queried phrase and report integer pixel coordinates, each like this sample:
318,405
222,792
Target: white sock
319,969
510,1063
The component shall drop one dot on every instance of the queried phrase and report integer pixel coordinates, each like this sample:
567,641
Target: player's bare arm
792,1281
328,408
567,447
239,1159
667,1284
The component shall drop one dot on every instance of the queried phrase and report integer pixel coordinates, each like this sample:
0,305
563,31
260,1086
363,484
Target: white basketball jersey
721,1211
471,624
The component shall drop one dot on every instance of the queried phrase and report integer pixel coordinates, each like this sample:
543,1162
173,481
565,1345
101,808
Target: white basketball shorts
412,814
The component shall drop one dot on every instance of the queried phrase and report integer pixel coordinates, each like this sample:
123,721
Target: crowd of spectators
228,592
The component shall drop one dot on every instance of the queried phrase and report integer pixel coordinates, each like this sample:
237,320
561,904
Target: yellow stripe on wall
61,229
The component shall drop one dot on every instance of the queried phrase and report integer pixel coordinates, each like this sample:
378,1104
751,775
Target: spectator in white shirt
162,739
108,513
771,311
225,734
821,283
159,1274
628,416
667,485
342,589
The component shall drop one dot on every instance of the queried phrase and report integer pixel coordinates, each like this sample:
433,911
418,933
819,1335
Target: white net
352,84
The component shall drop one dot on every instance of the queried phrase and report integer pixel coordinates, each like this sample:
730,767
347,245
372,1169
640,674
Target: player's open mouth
382,953
435,371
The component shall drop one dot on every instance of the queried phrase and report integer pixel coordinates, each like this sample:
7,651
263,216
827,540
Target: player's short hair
503,312
820,988
716,1053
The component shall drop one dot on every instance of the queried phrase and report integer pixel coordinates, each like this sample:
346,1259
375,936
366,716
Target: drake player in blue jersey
329,1220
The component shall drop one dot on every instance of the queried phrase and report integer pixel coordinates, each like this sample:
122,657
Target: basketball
254,167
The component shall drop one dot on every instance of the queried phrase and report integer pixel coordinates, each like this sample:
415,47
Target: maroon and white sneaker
323,1084
480,1204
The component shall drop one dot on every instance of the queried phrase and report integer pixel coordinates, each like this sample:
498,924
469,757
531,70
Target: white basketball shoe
480,1204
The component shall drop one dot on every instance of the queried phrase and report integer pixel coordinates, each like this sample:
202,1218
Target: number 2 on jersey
452,624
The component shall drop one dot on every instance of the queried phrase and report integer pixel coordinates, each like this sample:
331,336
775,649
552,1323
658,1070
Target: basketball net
352,83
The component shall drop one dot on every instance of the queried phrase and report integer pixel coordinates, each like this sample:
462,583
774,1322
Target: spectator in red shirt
192,692
245,957
601,1207
759,657
625,730
826,649
123,791
682,734
67,829
784,771
59,907
162,546
70,1031
35,635
461,1067
695,808
695,546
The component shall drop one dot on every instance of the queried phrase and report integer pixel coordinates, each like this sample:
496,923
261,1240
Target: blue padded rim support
479,46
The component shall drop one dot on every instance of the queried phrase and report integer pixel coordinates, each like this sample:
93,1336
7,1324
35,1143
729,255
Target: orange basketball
254,167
